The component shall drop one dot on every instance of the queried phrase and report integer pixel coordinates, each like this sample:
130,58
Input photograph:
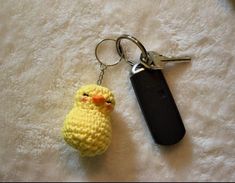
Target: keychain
153,94
87,126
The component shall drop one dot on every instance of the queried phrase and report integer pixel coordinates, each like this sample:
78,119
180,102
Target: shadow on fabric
178,156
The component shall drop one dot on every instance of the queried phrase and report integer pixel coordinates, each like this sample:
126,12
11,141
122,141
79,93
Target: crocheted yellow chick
87,126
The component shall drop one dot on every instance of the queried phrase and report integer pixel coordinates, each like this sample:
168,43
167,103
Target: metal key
157,61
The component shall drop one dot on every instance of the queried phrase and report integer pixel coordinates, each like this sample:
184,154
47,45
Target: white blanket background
47,53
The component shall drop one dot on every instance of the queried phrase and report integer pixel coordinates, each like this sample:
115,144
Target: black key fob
157,105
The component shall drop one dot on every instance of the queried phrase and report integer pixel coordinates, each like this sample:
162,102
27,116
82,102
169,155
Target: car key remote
157,105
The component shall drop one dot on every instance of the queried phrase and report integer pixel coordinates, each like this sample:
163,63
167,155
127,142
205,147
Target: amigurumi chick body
87,126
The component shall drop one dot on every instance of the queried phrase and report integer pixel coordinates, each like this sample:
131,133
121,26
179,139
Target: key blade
157,61
176,59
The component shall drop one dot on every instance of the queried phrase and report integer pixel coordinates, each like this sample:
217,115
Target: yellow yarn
87,126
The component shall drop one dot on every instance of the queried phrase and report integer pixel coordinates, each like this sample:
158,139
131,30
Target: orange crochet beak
98,99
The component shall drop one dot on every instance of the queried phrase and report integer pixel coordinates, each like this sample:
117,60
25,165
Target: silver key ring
144,54
96,53
103,65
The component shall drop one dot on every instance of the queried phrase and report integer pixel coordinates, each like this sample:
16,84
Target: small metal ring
120,51
96,53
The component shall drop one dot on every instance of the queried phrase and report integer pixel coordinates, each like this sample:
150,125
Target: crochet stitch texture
87,126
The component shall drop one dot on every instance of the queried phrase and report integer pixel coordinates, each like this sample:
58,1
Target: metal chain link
103,67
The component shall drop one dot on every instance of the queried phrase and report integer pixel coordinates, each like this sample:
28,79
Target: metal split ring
97,57
144,53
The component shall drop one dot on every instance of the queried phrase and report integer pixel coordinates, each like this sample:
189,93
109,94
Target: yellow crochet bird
87,126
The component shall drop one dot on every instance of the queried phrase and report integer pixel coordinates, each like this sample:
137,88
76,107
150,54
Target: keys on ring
149,59
153,94
157,61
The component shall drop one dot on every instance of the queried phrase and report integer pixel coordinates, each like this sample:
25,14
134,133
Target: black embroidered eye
85,94
108,102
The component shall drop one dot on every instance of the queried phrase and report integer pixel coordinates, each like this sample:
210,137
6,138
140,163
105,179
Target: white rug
47,53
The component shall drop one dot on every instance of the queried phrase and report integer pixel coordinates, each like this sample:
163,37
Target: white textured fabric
47,53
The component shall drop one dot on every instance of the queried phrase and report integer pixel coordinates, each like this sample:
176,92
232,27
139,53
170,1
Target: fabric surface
47,53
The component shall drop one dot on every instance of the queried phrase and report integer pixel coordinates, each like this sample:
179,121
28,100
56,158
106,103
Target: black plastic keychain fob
158,106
